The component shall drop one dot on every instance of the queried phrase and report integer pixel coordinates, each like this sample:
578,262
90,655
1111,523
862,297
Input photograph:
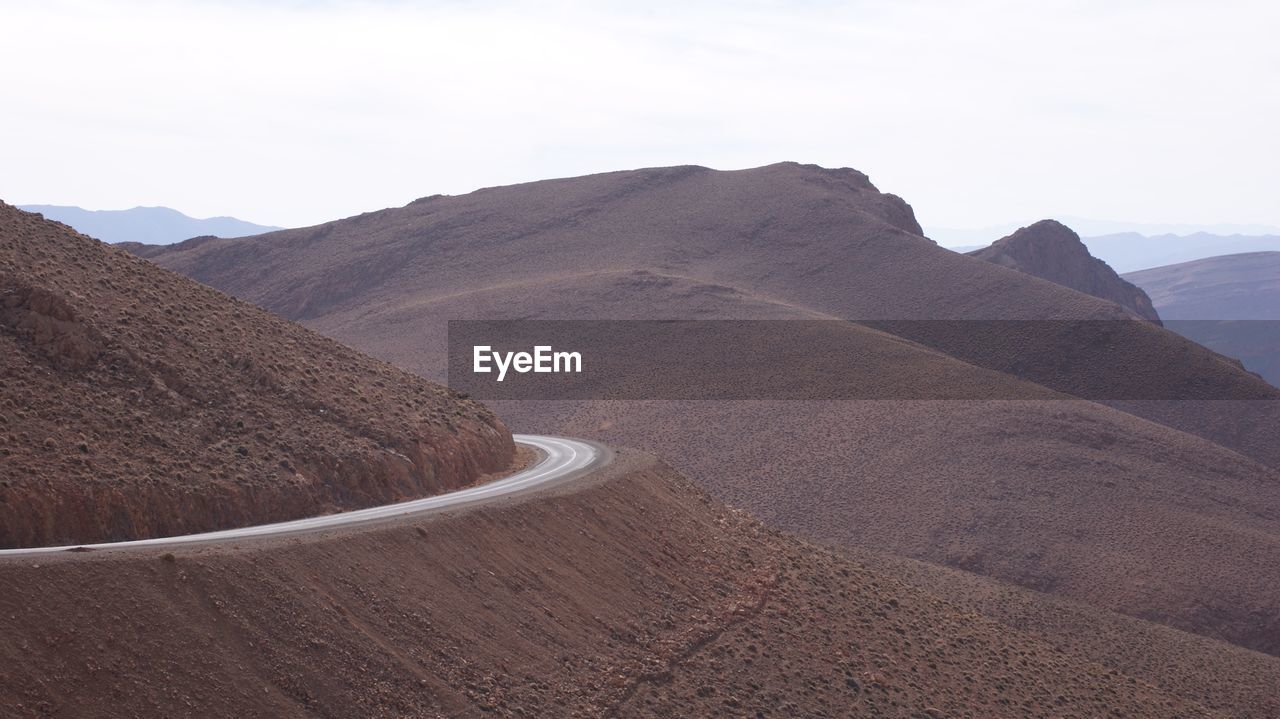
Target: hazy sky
978,113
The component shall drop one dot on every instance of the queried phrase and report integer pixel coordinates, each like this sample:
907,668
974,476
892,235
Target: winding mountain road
562,460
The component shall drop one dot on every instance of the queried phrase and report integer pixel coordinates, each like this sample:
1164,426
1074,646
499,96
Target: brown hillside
1230,287
1042,494
560,605
137,403
1067,498
1167,658
1052,251
827,240
142,249
822,241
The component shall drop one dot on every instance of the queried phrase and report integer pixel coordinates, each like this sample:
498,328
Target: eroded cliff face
1052,251
137,403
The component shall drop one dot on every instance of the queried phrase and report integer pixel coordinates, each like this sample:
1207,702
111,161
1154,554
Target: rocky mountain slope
137,403
825,242
629,595
1040,493
1051,251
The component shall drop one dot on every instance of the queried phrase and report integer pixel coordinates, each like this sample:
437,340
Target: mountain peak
1052,251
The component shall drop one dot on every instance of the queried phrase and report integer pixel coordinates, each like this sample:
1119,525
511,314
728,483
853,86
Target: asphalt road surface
562,459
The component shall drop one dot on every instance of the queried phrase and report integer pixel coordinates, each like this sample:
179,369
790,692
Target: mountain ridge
789,240
146,225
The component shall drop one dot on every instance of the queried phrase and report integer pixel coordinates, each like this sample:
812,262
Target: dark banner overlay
835,359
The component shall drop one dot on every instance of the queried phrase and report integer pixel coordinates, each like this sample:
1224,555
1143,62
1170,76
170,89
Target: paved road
563,459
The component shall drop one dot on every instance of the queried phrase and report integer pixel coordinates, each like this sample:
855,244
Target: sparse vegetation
113,371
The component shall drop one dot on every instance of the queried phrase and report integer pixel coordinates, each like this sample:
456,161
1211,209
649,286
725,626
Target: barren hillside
827,240
1064,497
628,595
1044,494
1052,251
1230,287
817,240
1230,304
137,403
1167,658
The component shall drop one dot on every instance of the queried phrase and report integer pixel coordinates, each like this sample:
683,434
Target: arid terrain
137,403
1162,509
1022,551
1052,251
632,594
629,592
1230,304
681,360
787,237
1229,287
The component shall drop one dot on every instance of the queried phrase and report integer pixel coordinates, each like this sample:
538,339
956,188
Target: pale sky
979,113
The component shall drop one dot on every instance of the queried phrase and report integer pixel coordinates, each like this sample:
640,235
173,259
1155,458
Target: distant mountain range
962,239
147,225
1129,251
1133,251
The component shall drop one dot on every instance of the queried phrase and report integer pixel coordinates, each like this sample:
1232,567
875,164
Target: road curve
562,459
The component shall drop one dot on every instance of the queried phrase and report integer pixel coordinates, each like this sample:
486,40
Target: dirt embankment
137,403
627,594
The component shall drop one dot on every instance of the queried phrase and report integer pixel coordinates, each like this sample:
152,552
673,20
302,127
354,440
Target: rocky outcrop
1052,251
137,403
